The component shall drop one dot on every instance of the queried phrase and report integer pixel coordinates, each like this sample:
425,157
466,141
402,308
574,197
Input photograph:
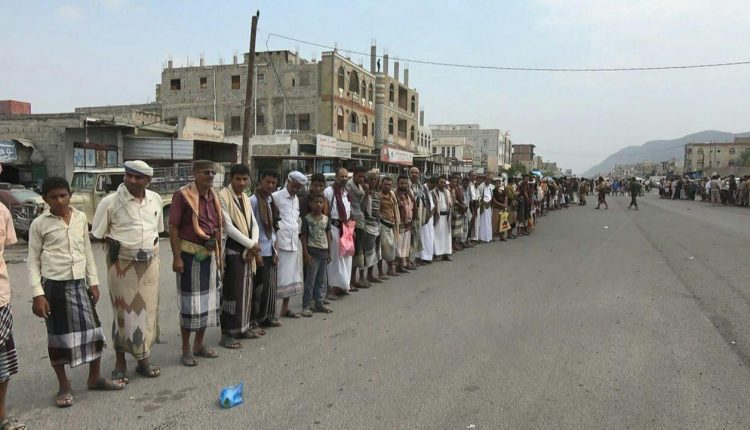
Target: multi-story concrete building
396,107
457,150
424,137
333,96
486,143
710,157
524,154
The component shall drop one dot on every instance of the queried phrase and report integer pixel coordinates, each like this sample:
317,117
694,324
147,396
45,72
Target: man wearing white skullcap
289,273
130,221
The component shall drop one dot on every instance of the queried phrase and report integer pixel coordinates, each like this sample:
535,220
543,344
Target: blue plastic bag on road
231,396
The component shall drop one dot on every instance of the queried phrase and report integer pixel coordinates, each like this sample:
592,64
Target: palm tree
744,158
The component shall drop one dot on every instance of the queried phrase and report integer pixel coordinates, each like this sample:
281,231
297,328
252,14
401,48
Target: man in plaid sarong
65,287
8,357
195,232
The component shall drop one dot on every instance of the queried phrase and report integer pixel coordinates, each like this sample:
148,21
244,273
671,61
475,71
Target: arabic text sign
8,151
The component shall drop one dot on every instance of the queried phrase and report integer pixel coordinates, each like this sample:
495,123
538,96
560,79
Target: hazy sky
62,54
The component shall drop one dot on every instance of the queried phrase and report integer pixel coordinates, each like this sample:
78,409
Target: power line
279,80
520,69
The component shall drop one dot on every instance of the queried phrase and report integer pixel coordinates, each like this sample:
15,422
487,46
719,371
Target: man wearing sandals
195,232
8,357
65,287
130,220
240,249
289,275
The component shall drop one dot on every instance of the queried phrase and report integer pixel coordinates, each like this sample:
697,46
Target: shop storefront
395,161
21,162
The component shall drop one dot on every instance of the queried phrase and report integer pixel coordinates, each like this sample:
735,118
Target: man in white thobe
339,270
427,231
442,221
484,220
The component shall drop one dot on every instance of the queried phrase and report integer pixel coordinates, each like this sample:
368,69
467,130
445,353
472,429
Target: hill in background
660,150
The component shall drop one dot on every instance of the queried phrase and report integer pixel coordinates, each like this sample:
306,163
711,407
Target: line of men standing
233,255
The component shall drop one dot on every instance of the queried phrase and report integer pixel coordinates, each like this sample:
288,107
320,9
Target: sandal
229,342
148,371
306,313
118,375
64,399
290,314
322,309
11,423
104,384
206,352
272,323
250,334
188,359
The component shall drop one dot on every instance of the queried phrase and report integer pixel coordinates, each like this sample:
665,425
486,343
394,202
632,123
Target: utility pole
248,130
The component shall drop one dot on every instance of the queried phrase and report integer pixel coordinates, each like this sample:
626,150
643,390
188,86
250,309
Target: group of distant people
720,191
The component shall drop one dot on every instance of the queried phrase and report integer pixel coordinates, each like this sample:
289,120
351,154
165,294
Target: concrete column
406,76
385,64
395,71
373,59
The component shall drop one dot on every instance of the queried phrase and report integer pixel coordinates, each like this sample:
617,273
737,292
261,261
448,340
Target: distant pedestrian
601,189
635,191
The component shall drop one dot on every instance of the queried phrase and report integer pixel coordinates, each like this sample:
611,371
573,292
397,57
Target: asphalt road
600,319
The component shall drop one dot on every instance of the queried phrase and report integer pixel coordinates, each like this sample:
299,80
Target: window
291,122
402,95
294,82
260,119
261,77
235,123
353,82
175,84
353,122
732,151
731,162
453,152
690,150
203,82
411,134
402,128
236,82
390,126
304,121
363,89
171,121
718,164
700,150
340,119
341,78
391,94
372,129
413,104
365,126
304,79
370,93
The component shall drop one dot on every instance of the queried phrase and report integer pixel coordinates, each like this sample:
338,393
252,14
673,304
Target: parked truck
90,186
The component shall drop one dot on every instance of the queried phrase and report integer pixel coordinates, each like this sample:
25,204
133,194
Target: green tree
517,169
744,158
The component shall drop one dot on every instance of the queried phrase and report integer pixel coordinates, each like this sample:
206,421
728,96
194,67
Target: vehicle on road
24,205
90,186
